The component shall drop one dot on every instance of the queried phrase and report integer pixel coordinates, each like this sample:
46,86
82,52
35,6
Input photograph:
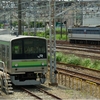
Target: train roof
4,31
9,37
87,28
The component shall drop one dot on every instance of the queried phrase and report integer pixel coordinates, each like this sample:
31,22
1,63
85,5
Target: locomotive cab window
17,47
29,48
33,46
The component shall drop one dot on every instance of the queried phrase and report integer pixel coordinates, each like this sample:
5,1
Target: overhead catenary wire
37,7
43,10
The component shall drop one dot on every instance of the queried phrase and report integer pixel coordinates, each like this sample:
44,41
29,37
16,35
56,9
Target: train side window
7,51
81,31
92,32
77,31
3,50
96,32
17,50
0,52
8,61
69,31
88,31
3,53
17,47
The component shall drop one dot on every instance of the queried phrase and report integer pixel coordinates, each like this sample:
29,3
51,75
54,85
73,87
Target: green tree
14,23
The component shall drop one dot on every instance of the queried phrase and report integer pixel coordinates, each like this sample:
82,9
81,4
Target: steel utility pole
19,18
79,13
81,3
62,7
35,27
52,35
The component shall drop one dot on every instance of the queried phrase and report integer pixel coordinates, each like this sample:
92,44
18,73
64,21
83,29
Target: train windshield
29,48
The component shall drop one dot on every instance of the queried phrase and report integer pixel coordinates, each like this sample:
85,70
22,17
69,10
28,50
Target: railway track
80,72
78,68
77,48
80,75
40,94
86,52
85,46
84,55
79,78
66,43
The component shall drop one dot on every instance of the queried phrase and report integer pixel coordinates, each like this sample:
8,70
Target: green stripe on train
29,64
5,43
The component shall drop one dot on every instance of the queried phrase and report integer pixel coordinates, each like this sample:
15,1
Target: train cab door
0,52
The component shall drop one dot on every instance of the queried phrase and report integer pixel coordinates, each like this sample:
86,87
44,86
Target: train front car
29,61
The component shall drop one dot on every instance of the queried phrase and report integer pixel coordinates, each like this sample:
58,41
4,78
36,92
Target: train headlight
42,64
16,65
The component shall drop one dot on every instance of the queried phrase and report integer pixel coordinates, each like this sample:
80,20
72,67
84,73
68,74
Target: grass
72,59
59,36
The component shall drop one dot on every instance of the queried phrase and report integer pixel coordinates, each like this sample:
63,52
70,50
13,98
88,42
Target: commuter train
25,58
84,35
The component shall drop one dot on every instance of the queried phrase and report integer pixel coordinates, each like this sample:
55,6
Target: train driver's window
16,50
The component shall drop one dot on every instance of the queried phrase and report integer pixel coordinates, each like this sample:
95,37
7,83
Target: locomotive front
28,60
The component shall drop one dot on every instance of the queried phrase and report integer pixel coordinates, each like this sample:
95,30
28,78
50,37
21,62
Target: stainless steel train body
25,58
84,35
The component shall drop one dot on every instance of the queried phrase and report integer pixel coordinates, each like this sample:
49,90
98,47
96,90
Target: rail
78,80
42,91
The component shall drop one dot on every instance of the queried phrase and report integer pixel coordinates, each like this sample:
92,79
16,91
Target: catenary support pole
52,34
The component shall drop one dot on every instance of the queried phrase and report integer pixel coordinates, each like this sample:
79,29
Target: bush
95,65
73,60
86,62
59,56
